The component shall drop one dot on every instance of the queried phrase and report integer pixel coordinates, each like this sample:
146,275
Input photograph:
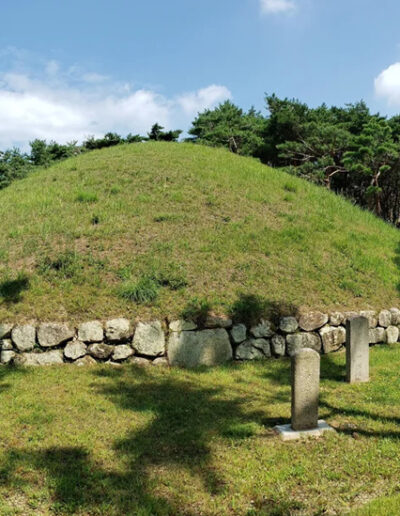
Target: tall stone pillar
357,350
305,389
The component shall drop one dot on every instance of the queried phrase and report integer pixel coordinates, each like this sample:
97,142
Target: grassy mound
157,229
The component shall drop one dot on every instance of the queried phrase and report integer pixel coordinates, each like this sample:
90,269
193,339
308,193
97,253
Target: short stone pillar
305,389
305,393
357,350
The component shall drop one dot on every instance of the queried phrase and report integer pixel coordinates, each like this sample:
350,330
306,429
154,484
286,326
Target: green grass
229,229
106,441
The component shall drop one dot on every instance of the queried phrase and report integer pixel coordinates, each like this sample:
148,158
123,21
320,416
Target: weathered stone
6,344
288,324
305,389
24,337
247,351
192,349
91,331
217,321
114,364
357,350
312,321
182,325
349,315
51,335
7,356
263,345
333,338
140,361
392,334
75,349
160,362
122,352
149,339
239,333
371,316
5,330
385,318
297,341
53,357
336,318
118,330
278,345
377,335
395,320
101,351
85,361
263,330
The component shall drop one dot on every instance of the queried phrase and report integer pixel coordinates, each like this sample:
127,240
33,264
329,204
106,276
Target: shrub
197,310
66,265
248,309
171,275
143,292
88,197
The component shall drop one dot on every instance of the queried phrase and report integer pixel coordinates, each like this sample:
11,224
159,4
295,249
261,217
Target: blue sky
71,69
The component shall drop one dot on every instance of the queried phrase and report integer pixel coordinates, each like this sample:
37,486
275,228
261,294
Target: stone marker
357,350
305,389
305,393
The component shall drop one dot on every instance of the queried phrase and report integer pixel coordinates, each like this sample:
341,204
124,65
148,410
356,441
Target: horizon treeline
346,149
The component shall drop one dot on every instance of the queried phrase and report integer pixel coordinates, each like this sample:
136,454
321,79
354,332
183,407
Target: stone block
195,348
288,324
24,337
51,335
357,350
149,339
313,321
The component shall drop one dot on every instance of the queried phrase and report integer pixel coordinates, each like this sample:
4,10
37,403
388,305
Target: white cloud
71,105
202,99
387,84
277,6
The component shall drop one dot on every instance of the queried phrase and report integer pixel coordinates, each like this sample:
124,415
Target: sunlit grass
230,225
158,442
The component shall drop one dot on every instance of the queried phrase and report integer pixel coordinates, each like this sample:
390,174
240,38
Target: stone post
305,389
357,350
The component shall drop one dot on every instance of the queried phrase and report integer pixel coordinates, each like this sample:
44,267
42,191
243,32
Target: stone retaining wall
184,343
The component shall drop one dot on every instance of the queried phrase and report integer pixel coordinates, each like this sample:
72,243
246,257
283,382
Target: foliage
109,140
158,134
88,197
347,149
145,291
13,165
43,153
229,126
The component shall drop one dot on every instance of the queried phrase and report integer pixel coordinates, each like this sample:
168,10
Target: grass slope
170,223
148,442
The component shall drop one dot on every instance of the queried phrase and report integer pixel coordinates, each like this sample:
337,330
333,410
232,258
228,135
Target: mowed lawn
148,441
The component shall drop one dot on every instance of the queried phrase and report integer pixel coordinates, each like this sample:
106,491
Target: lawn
151,230
148,441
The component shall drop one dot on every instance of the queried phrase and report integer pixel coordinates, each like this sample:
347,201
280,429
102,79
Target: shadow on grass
7,371
248,309
11,290
185,418
397,262
355,428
